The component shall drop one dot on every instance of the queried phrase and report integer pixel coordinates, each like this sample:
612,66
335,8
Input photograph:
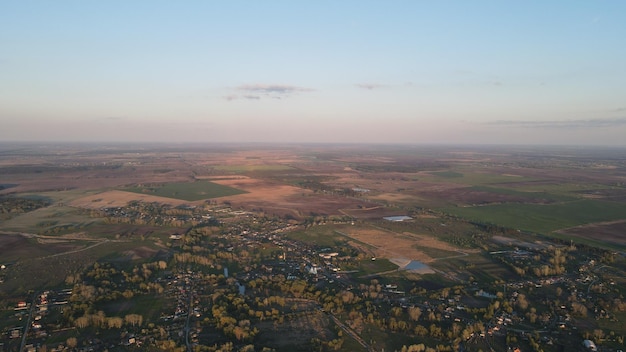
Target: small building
590,345
311,269
241,289
398,218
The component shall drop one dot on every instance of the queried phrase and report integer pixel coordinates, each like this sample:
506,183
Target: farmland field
189,191
609,232
543,218
251,168
476,178
483,226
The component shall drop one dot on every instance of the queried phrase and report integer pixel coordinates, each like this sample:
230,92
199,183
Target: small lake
415,265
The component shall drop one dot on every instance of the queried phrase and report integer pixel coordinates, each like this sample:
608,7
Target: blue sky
488,72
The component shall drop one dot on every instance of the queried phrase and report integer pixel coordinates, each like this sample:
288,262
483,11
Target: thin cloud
237,97
574,124
370,86
277,91
273,89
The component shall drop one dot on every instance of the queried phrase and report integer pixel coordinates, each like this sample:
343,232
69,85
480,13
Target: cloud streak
237,97
279,89
572,124
260,91
370,86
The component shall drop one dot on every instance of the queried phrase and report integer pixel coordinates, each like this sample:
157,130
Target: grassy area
526,194
189,191
477,178
149,306
368,266
324,236
40,220
41,270
570,189
436,252
447,174
543,218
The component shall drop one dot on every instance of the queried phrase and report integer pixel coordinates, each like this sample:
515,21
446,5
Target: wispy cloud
370,86
259,91
273,89
246,97
583,123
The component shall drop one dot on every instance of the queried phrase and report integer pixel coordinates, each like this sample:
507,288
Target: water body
415,265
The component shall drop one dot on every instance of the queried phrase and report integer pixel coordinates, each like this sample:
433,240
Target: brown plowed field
612,232
388,244
278,199
111,199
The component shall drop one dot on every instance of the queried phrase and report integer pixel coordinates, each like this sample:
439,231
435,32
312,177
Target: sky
401,72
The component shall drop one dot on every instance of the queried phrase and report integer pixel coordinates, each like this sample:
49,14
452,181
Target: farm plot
111,199
543,218
240,169
608,232
375,212
283,200
189,191
475,178
401,246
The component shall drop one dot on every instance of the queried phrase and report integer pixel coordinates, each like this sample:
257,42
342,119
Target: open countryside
335,247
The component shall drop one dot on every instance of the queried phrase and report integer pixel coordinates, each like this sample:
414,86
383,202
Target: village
232,273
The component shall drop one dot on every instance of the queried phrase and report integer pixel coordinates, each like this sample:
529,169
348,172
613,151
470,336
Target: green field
476,178
323,236
65,218
149,306
550,197
543,218
368,266
447,174
189,191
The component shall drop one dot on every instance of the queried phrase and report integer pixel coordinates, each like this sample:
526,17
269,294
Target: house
589,345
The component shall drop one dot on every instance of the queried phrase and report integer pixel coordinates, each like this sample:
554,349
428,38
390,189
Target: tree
71,342
420,331
415,313
522,303
82,322
115,322
579,308
598,334
133,319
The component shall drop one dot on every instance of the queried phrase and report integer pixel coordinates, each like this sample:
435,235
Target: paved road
28,320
